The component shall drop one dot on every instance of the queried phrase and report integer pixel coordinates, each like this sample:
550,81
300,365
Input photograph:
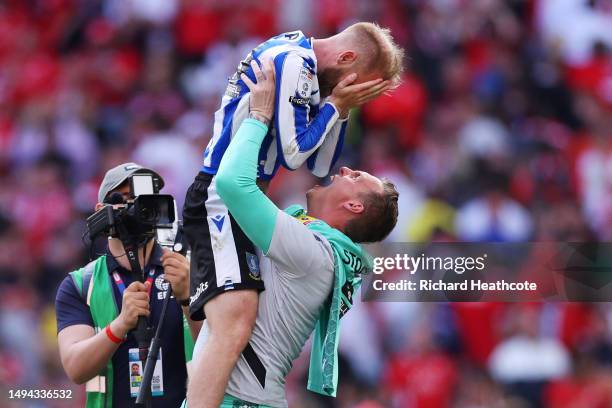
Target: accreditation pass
137,373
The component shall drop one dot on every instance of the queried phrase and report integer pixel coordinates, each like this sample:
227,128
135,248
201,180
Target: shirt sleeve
326,156
236,185
297,136
70,308
297,250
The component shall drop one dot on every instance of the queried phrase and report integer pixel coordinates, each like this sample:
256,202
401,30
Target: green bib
95,286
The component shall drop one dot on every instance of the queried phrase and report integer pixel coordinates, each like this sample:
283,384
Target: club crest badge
253,265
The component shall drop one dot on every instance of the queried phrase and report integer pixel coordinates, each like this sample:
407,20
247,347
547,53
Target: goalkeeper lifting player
317,82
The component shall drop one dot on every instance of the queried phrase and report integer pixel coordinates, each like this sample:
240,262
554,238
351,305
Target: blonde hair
380,50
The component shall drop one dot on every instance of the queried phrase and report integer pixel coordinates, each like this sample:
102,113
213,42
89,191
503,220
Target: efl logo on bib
162,287
161,284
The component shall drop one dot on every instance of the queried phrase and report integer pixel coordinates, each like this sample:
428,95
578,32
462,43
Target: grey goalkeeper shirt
298,272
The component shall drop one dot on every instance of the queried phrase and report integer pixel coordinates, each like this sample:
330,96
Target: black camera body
142,217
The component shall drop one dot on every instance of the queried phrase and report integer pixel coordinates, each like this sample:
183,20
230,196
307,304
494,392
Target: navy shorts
222,257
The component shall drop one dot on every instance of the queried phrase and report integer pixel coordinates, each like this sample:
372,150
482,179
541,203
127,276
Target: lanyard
121,285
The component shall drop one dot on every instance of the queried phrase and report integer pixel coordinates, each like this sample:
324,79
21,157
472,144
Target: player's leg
224,286
230,318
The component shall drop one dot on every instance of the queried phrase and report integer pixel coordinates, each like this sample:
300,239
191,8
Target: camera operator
98,306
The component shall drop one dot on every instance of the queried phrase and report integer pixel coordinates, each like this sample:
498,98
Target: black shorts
222,257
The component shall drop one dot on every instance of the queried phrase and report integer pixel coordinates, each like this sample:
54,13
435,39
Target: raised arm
236,177
274,231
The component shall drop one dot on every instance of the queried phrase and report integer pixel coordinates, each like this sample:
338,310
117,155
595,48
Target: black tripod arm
149,367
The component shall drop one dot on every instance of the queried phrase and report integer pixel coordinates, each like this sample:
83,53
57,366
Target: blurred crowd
500,132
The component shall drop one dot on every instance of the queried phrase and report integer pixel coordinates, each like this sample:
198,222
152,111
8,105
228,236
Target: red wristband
111,336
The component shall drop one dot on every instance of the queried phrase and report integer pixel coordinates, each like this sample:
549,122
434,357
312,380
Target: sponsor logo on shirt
299,101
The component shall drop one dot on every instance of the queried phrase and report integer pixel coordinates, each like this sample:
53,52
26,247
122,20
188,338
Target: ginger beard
328,79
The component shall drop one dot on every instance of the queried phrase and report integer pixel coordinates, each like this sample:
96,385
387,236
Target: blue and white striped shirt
304,128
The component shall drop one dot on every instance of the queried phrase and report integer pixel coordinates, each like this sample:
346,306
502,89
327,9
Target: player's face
347,185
